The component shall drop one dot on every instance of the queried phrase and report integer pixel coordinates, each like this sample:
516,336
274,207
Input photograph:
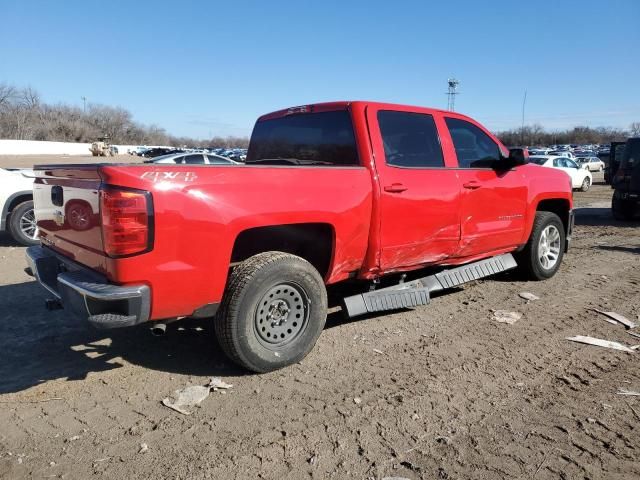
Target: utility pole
451,93
524,102
84,104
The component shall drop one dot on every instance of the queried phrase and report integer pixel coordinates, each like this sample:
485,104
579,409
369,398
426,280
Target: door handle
395,188
471,185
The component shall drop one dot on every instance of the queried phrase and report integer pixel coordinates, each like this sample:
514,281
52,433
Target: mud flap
417,292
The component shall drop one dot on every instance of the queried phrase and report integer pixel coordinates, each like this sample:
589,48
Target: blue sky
210,67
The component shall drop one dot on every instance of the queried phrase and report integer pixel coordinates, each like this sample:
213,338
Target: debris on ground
357,401
216,383
143,448
598,342
529,296
194,395
624,391
379,352
634,334
187,397
504,316
618,318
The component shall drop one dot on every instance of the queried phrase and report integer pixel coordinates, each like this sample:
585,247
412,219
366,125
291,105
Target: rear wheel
273,311
22,224
542,255
586,183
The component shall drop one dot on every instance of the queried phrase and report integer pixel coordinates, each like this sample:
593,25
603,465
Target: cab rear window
323,138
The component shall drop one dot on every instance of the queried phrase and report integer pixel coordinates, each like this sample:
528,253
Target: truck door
419,196
494,199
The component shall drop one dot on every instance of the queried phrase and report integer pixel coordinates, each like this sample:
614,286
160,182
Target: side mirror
518,156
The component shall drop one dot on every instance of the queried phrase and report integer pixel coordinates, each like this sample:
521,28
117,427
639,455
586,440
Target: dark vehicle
156,152
625,204
615,157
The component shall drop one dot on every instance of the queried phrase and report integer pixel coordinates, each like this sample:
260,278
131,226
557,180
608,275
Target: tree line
536,135
24,116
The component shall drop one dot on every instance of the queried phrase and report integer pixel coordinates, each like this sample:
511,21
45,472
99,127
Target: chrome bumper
87,293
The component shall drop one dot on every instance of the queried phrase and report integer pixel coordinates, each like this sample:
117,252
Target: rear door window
322,138
474,148
217,160
194,159
410,139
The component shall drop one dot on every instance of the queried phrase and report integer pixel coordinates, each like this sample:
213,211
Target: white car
16,206
580,178
593,164
561,153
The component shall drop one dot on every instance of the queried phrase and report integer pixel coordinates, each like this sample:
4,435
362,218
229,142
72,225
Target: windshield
323,138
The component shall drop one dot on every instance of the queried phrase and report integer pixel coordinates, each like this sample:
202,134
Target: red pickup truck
328,192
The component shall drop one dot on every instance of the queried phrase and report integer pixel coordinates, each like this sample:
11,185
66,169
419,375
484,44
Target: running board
417,292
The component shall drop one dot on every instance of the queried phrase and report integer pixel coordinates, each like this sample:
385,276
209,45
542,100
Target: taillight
127,217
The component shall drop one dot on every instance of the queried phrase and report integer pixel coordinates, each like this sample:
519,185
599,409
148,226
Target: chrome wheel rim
281,315
28,225
549,247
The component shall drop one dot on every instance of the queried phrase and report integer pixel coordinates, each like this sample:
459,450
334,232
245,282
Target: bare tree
634,129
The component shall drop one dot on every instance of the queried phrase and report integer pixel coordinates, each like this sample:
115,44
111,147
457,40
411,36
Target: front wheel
273,311
586,183
22,224
542,255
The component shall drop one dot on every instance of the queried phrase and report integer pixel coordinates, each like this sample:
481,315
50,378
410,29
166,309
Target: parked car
16,206
593,164
625,204
192,159
157,151
329,192
580,178
561,153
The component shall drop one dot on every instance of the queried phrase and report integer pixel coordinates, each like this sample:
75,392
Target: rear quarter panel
200,210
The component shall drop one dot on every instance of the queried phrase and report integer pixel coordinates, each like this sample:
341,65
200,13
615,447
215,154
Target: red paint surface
200,210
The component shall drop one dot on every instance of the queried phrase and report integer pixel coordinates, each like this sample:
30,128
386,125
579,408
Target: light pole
84,104
524,102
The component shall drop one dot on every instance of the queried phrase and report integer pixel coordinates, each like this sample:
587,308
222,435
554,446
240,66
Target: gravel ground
27,161
439,392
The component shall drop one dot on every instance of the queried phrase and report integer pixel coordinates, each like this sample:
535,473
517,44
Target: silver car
192,158
593,164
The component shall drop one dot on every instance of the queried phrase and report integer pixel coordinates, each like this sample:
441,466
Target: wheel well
558,206
311,241
12,203
18,200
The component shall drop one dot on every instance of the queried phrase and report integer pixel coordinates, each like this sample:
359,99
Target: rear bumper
88,294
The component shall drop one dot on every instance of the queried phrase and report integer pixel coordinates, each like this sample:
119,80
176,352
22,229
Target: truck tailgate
67,206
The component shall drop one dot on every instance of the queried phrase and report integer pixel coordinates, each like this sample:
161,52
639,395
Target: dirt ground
28,161
439,392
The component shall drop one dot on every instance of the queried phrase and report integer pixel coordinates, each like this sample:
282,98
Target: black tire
621,209
242,328
529,261
17,220
586,183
